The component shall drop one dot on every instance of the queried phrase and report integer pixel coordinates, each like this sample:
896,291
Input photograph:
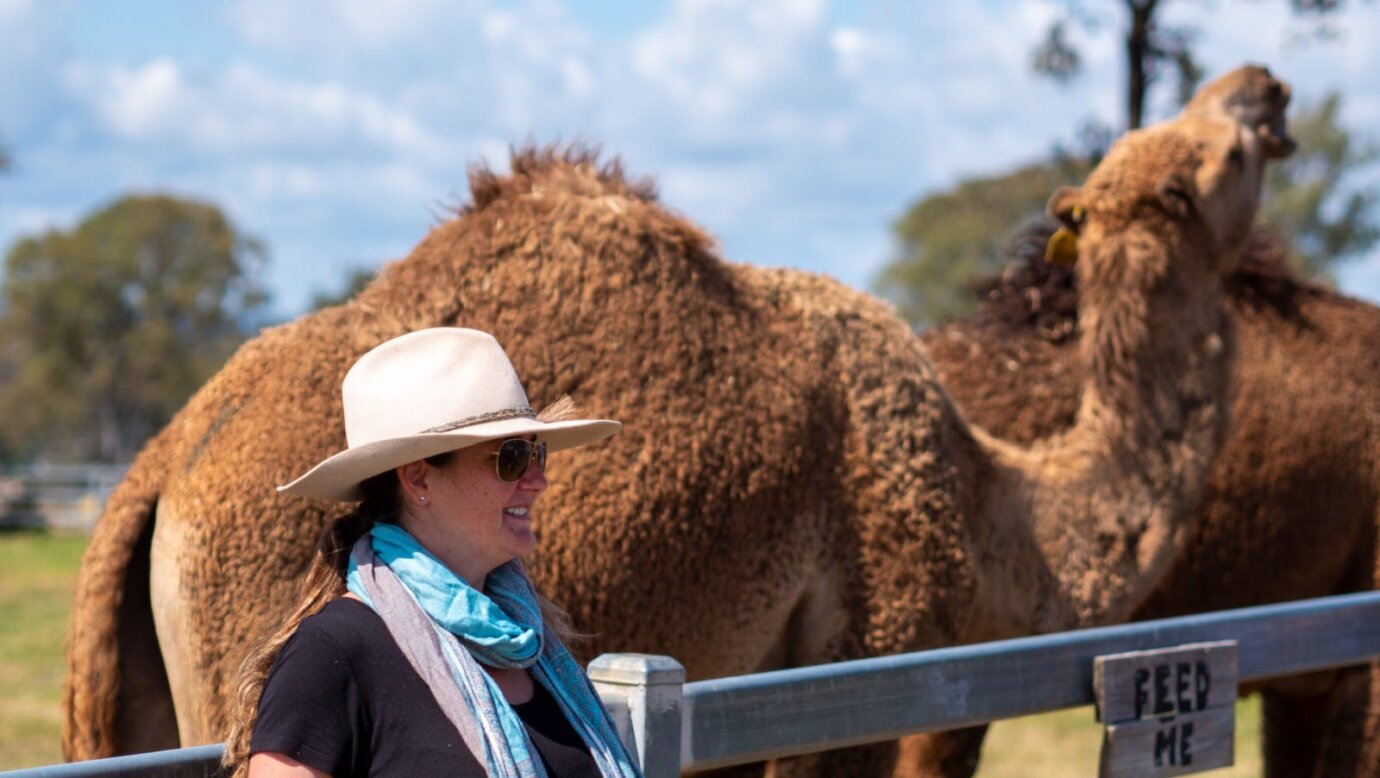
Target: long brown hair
324,582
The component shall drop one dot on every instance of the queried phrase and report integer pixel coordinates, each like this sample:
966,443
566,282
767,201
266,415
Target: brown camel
1292,503
1295,491
792,480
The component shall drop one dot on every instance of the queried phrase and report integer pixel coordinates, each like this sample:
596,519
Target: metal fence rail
755,717
197,762
673,726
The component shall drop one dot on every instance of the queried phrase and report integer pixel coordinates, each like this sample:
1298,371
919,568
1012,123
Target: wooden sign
1168,711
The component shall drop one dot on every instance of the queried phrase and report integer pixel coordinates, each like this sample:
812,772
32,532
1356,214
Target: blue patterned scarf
443,625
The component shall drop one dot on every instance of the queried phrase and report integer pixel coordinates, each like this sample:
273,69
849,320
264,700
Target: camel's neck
1104,503
1155,343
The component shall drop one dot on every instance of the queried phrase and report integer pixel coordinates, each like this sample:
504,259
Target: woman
420,647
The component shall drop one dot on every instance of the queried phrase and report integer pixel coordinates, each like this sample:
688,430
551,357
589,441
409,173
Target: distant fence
66,497
672,726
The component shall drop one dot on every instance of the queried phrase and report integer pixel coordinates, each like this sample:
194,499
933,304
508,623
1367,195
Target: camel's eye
1236,157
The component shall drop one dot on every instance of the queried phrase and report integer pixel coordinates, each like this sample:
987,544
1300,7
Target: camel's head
1199,176
1253,97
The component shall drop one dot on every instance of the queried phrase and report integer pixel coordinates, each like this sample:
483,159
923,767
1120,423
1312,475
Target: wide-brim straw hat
426,393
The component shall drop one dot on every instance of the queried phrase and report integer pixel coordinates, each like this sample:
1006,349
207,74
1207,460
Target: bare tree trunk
1137,58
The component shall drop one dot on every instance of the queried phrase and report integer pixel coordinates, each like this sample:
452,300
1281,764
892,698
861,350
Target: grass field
37,573
36,579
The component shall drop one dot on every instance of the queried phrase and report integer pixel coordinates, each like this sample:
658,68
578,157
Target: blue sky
794,130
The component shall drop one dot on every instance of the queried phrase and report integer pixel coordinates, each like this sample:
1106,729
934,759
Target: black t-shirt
343,699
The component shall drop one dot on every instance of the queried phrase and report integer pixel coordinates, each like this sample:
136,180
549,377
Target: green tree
1153,48
1310,200
949,240
107,329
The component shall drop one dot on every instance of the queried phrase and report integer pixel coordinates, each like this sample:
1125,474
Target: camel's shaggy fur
792,482
1291,507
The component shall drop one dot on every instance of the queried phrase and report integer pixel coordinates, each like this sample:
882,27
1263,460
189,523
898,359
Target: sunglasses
515,456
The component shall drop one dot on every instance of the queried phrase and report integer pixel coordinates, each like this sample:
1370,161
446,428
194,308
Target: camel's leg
1298,716
824,629
1368,758
144,719
1332,734
952,754
172,608
863,761
870,761
810,636
867,761
1325,725
1292,727
1347,748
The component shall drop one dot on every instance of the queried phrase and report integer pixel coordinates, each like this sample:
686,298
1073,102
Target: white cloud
31,37
343,25
138,104
34,220
719,62
239,108
272,183
851,47
13,12
719,193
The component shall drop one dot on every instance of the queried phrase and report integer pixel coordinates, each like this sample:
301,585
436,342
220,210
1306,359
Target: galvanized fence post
643,694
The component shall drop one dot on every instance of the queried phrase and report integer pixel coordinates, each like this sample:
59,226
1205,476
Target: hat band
522,412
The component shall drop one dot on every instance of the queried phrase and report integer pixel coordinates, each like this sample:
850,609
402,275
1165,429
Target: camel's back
986,362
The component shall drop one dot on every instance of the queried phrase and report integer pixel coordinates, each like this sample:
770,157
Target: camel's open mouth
1275,137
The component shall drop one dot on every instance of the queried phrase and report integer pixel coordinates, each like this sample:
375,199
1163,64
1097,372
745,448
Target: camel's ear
1066,206
1176,195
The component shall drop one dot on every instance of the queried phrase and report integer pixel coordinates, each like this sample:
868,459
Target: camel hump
554,170
114,669
816,294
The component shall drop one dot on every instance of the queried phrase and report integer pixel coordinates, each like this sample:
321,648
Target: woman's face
488,521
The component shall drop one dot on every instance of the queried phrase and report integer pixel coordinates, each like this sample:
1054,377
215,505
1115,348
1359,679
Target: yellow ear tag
1062,249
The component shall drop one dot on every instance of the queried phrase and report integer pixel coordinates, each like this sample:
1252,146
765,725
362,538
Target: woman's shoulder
340,612
311,707
344,624
338,647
